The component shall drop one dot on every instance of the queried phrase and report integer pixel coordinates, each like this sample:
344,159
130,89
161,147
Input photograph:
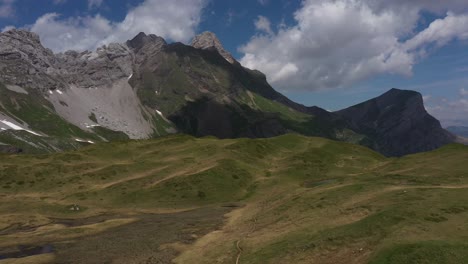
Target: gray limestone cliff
207,40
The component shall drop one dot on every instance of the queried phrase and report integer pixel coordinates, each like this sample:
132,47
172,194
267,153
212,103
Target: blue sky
330,53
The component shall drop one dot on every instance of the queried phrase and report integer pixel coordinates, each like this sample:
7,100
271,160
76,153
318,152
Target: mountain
397,123
147,88
208,40
139,89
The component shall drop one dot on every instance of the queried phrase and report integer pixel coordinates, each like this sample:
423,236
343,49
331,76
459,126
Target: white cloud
7,28
463,92
94,3
175,20
59,2
78,33
434,6
263,2
341,42
441,31
263,24
444,111
7,8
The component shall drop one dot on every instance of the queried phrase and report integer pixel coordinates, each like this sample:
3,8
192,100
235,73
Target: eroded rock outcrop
207,40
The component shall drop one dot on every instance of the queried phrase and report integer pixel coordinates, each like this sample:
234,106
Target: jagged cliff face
397,123
146,87
90,90
25,62
208,40
142,88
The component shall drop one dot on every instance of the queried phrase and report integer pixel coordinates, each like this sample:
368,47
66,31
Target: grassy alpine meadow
180,199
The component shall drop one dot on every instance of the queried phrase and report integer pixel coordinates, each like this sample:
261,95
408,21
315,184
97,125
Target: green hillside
288,199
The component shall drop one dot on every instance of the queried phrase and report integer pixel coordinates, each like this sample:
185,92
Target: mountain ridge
146,87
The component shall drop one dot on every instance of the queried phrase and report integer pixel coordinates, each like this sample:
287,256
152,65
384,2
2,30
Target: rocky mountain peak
24,43
141,40
399,122
24,61
21,35
394,93
401,98
208,40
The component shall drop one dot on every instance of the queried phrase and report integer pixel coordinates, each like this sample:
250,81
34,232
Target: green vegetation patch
429,252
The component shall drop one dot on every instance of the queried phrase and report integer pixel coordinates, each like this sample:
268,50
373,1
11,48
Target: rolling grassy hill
288,199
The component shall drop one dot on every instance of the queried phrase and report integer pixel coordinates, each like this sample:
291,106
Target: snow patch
91,125
159,113
16,127
32,132
11,125
84,141
129,77
17,89
50,91
60,92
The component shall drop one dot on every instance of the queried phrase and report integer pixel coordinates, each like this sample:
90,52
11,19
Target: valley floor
289,199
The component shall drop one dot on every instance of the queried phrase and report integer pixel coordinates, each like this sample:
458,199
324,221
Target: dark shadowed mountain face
204,91
397,123
147,88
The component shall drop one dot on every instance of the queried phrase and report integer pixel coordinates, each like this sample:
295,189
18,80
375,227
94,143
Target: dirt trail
185,172
372,195
134,177
239,251
239,248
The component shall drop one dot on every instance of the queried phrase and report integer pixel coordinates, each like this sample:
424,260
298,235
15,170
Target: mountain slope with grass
286,199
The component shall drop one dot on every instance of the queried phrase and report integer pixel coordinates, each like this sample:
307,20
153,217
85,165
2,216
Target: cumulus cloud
7,8
443,109
441,31
175,20
433,6
94,3
463,92
263,24
75,33
338,43
6,28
